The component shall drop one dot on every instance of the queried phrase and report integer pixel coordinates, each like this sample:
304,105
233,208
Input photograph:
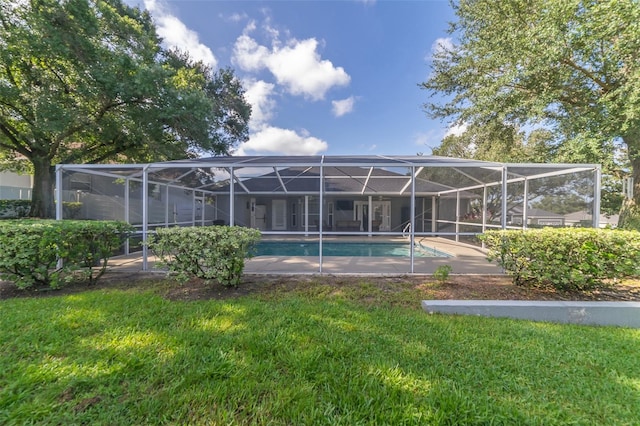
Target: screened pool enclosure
334,198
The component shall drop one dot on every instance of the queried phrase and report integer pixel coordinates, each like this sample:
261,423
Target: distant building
584,218
535,217
15,187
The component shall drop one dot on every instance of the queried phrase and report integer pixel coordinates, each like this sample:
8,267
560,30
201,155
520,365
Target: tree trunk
42,202
630,211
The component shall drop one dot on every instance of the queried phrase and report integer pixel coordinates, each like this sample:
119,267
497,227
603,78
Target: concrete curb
622,314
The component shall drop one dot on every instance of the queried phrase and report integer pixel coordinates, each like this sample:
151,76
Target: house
355,199
535,217
584,218
15,187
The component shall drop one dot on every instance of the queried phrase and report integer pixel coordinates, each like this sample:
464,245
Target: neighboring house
584,218
15,187
609,221
535,217
111,198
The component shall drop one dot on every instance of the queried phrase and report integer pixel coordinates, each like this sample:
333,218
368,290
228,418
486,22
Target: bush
14,209
442,273
565,258
211,253
30,250
71,209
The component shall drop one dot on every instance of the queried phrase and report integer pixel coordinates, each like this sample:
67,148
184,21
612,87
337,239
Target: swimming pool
332,248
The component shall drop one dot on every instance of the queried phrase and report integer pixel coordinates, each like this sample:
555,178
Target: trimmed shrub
210,252
568,259
30,250
14,209
71,209
90,244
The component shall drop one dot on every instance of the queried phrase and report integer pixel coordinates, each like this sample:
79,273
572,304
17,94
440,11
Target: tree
495,141
506,143
571,67
87,81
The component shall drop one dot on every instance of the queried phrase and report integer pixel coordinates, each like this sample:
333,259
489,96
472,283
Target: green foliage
133,357
565,258
567,203
88,82
14,209
568,66
71,209
629,216
495,141
442,273
30,250
210,253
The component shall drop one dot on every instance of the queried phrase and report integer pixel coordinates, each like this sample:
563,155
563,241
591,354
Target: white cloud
441,45
344,106
249,55
176,34
259,95
456,129
297,69
429,139
274,140
237,17
297,66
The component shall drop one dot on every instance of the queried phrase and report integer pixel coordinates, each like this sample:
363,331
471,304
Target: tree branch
590,75
10,132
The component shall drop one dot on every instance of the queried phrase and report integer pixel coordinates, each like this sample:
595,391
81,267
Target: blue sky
323,77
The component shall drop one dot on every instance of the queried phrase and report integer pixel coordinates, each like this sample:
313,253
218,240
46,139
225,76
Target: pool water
357,249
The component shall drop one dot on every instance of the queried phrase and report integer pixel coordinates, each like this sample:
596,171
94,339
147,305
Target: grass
315,356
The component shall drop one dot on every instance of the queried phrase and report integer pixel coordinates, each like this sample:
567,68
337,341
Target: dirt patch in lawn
485,287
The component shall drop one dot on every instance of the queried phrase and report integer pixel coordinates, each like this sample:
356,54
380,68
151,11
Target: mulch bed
485,287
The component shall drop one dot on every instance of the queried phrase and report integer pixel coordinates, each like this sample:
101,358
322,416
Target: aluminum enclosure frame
509,173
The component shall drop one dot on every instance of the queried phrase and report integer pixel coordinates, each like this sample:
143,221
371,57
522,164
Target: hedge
565,258
14,209
210,252
31,250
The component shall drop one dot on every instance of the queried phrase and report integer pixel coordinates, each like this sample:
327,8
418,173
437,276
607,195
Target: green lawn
357,356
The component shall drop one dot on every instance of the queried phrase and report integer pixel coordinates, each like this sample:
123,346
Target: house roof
535,213
363,174
344,180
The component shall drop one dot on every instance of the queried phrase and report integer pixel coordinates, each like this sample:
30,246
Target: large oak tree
571,66
87,81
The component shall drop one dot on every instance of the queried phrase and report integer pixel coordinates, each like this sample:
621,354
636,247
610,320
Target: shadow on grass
125,357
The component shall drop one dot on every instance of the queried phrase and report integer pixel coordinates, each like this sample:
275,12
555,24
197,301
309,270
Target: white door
260,217
382,214
279,215
361,214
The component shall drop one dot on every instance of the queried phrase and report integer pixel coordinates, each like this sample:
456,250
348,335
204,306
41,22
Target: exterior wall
343,212
103,198
15,187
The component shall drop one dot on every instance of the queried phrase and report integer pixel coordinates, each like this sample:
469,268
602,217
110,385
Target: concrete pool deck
465,259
